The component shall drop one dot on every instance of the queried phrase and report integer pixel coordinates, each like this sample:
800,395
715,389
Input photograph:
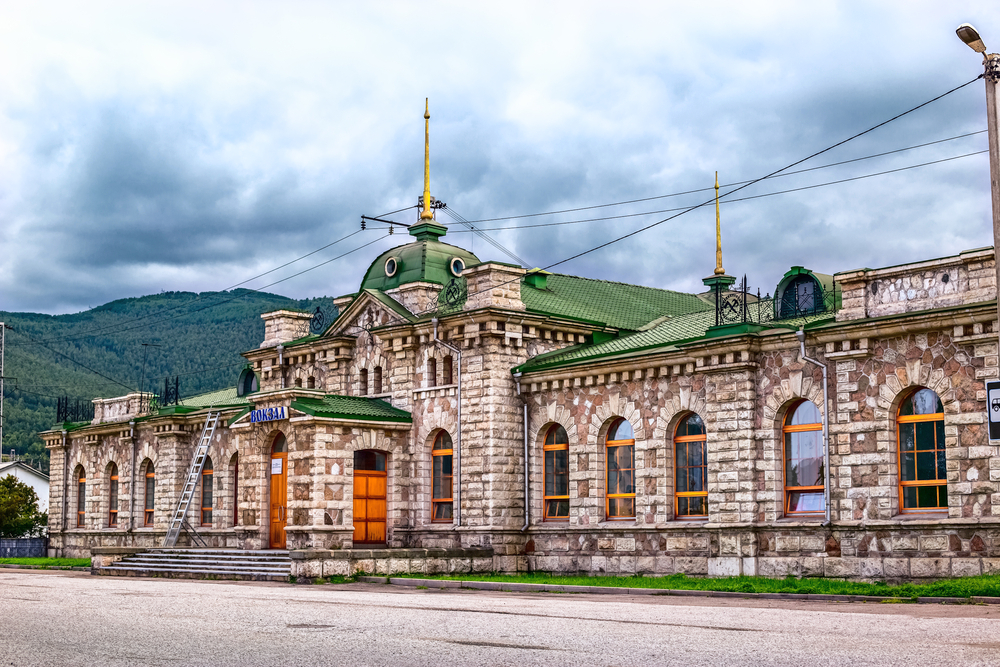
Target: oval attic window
457,266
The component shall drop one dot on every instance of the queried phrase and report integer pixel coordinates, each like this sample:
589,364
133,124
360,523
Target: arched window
363,382
923,484
804,473
802,296
441,491
298,382
691,469
81,497
378,380
113,495
234,465
556,495
620,450
432,372
150,495
446,371
207,475
310,382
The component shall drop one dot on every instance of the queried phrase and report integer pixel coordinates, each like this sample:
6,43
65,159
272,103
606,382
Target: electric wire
727,185
729,201
737,189
66,356
84,334
489,239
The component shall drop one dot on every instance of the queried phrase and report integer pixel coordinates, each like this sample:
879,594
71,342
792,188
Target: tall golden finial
427,213
719,271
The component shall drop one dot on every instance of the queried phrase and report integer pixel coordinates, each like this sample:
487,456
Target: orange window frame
207,479
556,447
149,499
937,481
789,490
113,498
702,438
609,445
439,452
81,501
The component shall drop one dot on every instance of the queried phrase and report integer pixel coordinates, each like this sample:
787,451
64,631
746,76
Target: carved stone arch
147,451
892,393
267,442
373,438
555,413
682,403
105,456
796,387
615,406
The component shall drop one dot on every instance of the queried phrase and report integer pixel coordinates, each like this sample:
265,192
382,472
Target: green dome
426,260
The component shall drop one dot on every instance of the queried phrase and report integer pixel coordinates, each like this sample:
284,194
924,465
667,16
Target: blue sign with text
268,414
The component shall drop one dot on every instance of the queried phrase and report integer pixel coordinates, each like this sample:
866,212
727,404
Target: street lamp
991,65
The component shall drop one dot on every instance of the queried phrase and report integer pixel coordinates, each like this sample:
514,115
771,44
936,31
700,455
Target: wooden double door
370,486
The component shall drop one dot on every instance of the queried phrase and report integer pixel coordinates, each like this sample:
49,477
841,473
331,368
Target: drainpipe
527,481
131,495
65,497
281,364
801,335
457,492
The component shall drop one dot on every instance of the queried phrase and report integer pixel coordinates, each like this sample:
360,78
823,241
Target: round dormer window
457,265
391,266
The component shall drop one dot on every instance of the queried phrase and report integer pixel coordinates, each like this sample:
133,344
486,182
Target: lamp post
991,64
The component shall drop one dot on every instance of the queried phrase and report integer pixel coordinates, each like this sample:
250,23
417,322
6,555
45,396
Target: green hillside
200,338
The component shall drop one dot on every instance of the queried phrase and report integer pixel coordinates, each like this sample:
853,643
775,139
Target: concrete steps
234,564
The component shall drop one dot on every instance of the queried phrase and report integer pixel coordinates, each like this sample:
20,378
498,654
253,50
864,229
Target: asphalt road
49,618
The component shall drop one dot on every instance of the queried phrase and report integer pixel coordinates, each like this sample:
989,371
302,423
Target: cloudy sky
192,146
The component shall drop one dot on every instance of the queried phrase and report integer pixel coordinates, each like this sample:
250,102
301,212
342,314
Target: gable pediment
370,310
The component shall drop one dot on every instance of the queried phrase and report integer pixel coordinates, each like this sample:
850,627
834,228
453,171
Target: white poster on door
276,466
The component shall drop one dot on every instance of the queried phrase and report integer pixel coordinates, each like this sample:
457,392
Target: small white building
39,481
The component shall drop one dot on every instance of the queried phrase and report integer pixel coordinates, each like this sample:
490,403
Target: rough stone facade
897,329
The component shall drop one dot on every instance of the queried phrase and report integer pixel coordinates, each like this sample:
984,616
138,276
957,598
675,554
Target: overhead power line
728,201
489,239
726,185
737,189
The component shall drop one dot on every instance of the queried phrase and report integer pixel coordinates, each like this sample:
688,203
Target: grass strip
47,562
965,587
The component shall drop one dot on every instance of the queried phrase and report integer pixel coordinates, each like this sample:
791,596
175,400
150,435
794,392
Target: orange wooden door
369,506
279,499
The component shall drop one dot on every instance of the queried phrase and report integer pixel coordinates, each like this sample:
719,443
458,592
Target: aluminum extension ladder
179,519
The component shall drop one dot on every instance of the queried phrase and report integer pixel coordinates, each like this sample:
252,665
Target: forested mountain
100,353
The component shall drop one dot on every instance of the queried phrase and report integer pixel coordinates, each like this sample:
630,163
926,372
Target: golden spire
427,213
719,271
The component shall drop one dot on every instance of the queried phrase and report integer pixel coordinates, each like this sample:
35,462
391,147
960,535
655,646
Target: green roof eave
238,415
332,406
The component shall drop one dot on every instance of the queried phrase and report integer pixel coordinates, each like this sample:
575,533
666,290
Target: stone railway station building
549,422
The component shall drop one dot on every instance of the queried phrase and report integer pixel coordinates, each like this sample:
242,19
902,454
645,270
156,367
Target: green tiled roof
421,261
617,305
220,398
351,407
673,332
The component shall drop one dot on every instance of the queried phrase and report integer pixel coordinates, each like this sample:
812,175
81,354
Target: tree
19,515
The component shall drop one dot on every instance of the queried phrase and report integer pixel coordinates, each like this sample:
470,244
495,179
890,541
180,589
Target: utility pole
991,73
3,329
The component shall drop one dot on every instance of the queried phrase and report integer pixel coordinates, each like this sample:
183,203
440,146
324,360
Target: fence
740,306
24,547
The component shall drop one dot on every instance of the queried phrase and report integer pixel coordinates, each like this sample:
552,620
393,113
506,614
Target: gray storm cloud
168,149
